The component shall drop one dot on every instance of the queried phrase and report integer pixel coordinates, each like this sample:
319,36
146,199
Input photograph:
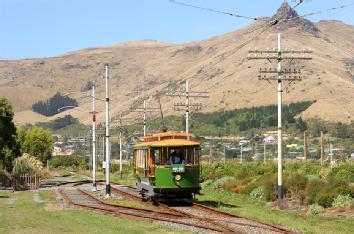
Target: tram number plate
178,169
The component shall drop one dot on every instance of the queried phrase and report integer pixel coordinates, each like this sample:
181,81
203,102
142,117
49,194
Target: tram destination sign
178,169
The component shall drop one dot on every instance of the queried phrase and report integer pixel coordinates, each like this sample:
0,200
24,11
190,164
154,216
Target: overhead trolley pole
108,150
280,74
94,156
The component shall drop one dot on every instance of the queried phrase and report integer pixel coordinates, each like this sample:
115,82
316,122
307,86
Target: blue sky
45,28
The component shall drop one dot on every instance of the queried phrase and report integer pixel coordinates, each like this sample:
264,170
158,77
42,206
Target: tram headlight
178,177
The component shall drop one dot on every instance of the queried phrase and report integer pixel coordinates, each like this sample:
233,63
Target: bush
296,183
313,188
324,193
344,172
270,187
70,161
314,209
27,164
326,199
257,193
343,201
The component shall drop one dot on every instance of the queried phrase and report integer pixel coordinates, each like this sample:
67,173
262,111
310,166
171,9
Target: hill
218,65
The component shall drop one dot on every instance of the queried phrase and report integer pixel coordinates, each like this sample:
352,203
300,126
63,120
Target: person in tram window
175,158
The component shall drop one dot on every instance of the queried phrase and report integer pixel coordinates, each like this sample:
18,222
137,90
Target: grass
128,178
26,216
304,223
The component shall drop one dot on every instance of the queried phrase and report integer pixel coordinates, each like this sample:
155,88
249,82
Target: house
270,140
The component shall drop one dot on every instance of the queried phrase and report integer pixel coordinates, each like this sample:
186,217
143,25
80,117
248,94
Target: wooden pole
305,146
321,148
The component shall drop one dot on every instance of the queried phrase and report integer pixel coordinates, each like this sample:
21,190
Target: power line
319,12
215,11
297,4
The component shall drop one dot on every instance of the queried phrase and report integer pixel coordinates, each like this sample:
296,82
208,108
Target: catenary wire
215,11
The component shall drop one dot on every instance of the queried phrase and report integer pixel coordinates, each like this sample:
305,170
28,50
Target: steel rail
225,214
136,216
210,210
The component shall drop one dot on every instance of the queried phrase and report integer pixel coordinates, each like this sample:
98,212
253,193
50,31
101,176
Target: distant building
269,140
59,152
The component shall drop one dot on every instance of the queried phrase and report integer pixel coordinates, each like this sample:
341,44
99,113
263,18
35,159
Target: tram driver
175,158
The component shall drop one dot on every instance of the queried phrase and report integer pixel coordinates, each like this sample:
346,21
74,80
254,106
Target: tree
21,137
342,130
9,148
51,106
39,143
315,126
301,125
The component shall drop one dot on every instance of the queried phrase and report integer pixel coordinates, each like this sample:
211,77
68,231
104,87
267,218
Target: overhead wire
319,12
266,26
214,11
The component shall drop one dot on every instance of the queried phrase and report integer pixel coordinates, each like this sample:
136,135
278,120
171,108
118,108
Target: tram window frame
142,158
157,153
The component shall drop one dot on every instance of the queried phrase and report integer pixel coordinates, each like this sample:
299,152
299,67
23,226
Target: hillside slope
218,65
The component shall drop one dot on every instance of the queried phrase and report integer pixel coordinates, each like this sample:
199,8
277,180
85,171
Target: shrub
313,188
70,161
296,183
326,199
314,209
343,201
344,172
27,164
257,193
324,193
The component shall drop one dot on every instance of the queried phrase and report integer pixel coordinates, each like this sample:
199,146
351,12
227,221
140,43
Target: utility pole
224,154
94,161
120,120
331,154
321,148
108,149
241,159
264,152
188,93
145,110
282,74
305,146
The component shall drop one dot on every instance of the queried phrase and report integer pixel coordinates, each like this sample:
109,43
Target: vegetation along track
229,222
80,198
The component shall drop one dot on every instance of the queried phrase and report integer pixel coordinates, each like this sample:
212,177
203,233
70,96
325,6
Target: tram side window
141,158
157,158
192,155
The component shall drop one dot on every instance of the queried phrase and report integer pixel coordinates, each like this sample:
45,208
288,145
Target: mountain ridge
218,65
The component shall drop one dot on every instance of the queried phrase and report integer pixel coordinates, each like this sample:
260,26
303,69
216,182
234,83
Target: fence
26,181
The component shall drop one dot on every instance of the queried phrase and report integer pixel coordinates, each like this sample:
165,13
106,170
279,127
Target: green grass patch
128,178
243,205
26,216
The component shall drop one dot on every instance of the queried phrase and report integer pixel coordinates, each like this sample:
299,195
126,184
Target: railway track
80,198
228,222
232,223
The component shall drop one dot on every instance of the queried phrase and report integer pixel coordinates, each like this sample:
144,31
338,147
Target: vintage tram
167,167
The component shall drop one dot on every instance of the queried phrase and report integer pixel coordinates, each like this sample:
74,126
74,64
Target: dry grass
214,65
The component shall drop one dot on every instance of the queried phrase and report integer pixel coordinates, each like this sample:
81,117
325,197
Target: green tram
167,167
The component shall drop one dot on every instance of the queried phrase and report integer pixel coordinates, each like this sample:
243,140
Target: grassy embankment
19,213
249,189
229,187
304,223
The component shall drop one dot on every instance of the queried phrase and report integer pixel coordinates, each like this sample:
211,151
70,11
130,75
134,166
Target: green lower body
170,185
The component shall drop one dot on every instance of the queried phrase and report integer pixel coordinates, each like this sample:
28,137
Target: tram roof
167,135
168,143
